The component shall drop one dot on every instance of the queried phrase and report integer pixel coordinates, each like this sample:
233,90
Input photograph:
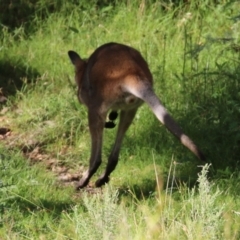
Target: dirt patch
32,151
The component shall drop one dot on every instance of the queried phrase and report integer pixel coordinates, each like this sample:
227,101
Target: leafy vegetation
158,190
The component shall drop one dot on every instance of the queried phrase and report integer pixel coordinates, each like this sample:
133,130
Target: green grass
193,53
34,206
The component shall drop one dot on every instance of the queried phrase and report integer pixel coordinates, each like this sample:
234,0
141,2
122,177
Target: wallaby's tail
147,95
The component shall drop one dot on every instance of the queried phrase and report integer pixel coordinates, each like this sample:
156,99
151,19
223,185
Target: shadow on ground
14,74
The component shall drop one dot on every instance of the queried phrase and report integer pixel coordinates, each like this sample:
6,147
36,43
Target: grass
193,52
34,206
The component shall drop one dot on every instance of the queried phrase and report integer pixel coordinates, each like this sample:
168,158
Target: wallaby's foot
83,181
101,181
81,184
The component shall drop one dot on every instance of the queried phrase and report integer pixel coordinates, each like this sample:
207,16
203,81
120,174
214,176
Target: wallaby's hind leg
96,126
126,118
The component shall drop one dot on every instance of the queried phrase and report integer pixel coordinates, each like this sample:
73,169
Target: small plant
199,216
98,216
204,220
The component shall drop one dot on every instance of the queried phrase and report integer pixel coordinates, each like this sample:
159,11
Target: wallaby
116,77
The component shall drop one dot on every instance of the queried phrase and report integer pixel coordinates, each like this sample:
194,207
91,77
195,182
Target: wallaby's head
79,65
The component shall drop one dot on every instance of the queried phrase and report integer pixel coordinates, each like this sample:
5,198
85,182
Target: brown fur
116,77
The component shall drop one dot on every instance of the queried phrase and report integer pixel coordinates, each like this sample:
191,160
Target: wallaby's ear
75,58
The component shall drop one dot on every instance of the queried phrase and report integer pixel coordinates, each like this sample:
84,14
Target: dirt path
34,154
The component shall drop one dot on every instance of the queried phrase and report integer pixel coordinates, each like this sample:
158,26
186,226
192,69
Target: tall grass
193,51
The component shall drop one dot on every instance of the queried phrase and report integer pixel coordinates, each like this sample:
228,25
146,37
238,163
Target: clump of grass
204,220
98,216
198,216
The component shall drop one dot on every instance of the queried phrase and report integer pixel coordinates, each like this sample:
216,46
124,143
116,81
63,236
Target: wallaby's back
113,63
